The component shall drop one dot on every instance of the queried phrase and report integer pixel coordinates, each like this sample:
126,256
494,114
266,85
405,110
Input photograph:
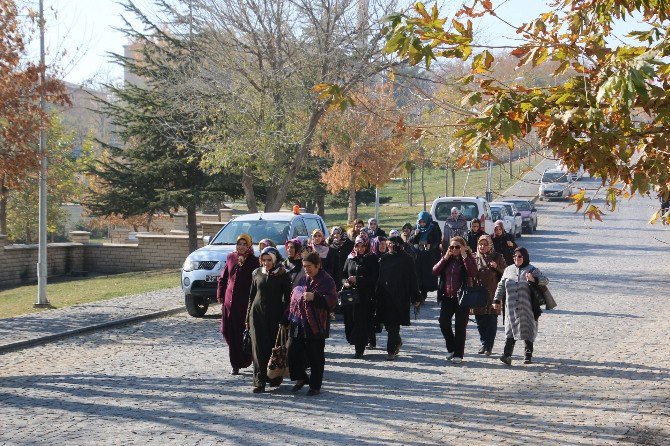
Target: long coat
489,277
427,256
233,294
358,318
268,300
514,289
397,289
339,257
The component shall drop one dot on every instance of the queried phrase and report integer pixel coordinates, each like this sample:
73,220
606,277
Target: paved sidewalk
32,329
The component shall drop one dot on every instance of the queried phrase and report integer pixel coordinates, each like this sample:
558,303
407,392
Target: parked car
499,212
528,213
555,183
201,269
515,215
470,207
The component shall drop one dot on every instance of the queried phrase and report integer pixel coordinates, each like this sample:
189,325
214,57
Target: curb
20,345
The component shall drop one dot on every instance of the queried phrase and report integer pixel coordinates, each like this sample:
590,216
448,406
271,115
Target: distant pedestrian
455,226
356,229
503,243
293,262
473,235
265,243
319,245
406,234
426,240
456,266
378,245
341,246
232,293
514,292
361,271
490,267
397,290
268,301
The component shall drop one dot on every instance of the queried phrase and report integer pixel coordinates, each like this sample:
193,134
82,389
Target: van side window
299,228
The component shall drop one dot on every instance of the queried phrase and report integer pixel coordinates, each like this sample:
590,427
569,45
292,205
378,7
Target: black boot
507,351
528,358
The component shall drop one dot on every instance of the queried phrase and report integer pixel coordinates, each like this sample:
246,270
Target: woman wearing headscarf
455,225
503,242
374,230
406,235
378,245
265,243
456,267
426,240
268,301
397,289
472,236
341,246
312,300
293,262
514,290
361,270
490,267
319,245
356,229
233,294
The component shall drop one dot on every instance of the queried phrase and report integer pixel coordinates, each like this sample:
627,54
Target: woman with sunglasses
514,289
455,267
361,270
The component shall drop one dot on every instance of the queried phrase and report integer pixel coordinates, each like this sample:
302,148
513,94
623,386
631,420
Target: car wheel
196,306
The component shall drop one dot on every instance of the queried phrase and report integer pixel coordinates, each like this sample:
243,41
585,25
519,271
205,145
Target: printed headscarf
498,223
360,240
297,244
394,233
276,260
374,244
322,248
268,242
343,236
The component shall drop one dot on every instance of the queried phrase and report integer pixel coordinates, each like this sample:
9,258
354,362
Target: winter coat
489,277
426,257
397,288
454,227
233,294
339,257
472,238
366,271
294,270
514,290
467,269
505,245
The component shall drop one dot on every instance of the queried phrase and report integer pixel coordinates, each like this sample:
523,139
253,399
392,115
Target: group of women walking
387,275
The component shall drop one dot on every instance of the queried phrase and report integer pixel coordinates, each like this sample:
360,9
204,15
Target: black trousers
454,337
487,324
509,347
393,342
302,349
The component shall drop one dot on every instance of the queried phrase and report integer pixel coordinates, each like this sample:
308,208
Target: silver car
202,268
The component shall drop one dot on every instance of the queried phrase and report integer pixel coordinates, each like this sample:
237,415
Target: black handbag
246,342
473,296
348,296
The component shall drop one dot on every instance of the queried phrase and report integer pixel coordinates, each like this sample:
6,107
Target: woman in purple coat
233,294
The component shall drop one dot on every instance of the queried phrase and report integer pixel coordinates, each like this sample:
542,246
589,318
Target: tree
64,184
158,168
362,143
20,115
609,115
266,62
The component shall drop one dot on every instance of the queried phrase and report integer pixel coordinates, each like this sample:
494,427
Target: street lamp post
42,300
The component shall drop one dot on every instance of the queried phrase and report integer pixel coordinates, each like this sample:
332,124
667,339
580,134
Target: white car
470,207
514,215
556,183
202,268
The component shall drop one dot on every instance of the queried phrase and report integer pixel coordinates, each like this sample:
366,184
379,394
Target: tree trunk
411,187
280,194
453,181
352,210
321,206
192,229
446,181
310,206
249,195
423,183
3,204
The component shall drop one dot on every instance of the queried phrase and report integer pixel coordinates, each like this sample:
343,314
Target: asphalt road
601,373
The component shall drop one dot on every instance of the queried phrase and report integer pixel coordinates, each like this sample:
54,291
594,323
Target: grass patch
20,300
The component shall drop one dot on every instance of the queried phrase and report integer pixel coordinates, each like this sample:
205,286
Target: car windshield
522,205
509,209
495,214
277,231
554,177
468,210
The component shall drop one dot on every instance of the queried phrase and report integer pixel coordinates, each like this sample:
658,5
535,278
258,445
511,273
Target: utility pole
42,301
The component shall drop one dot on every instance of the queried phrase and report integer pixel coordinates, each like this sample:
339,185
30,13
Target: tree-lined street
600,374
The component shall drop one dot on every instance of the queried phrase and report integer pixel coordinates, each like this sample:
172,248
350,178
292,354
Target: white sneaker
456,360
450,356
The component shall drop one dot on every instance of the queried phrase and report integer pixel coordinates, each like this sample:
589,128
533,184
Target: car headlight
190,265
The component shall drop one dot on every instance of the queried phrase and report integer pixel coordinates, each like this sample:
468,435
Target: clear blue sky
85,29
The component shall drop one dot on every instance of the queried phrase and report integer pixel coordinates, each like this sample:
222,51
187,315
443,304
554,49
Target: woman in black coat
361,270
341,246
268,300
503,243
426,240
397,289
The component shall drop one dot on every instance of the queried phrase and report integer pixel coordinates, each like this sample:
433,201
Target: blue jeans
487,324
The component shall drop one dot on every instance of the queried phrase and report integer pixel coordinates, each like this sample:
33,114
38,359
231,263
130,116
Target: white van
470,207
